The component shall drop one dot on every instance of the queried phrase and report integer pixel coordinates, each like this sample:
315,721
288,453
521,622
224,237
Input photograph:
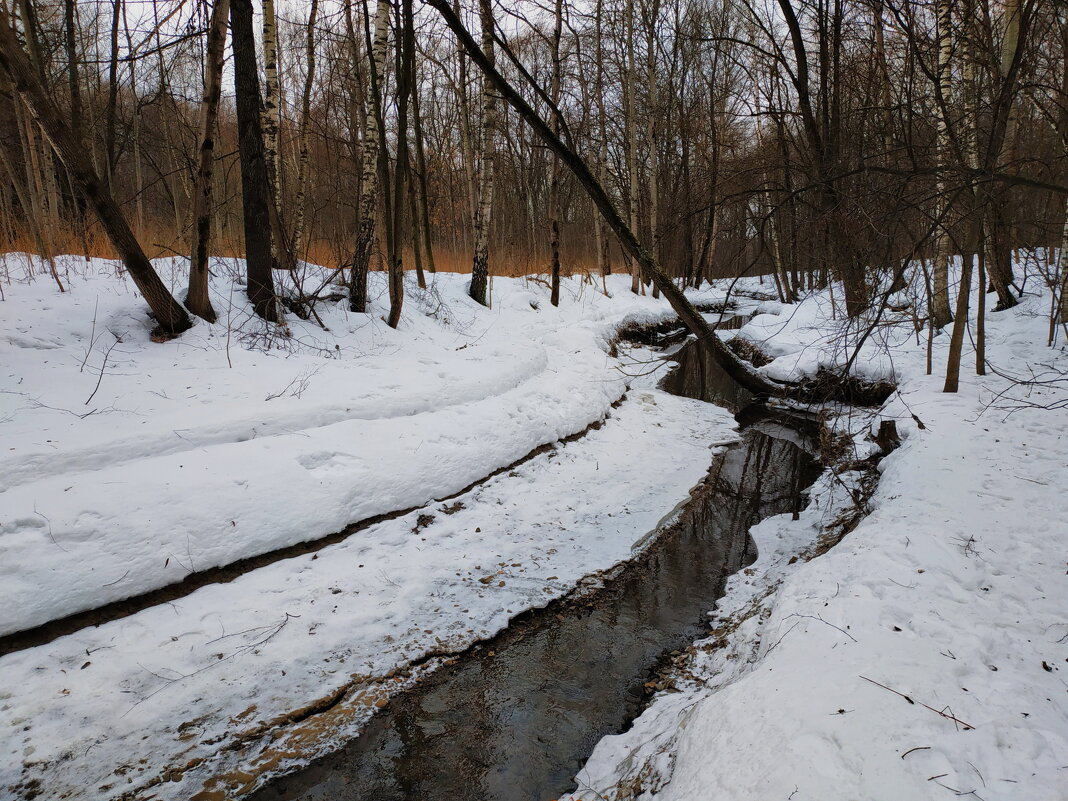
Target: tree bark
652,123
112,110
554,180
488,130
1062,261
941,316
365,224
197,300
255,188
405,61
422,185
631,125
960,323
604,262
305,123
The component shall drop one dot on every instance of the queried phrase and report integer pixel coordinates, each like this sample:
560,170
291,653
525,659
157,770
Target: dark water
700,376
516,718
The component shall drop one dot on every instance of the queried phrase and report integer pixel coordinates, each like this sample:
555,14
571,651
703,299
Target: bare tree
255,188
365,231
487,134
169,313
197,300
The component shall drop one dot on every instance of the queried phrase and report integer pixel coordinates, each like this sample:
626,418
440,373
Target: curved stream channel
516,717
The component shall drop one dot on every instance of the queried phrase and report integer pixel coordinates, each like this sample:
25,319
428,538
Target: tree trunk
941,316
197,300
488,131
604,263
960,323
72,69
271,111
652,123
1003,147
305,122
255,188
631,124
1062,261
467,143
554,181
169,313
405,61
425,234
270,95
365,224
112,110
980,313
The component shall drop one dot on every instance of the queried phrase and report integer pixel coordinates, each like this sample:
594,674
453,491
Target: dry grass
513,265
159,241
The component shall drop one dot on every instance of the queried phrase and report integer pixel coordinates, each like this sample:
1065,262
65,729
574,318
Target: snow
952,592
124,470
186,464
175,462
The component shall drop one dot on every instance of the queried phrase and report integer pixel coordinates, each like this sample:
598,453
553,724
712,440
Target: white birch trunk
367,208
940,312
487,136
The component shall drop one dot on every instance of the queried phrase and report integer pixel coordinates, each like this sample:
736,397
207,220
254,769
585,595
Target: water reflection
700,376
518,725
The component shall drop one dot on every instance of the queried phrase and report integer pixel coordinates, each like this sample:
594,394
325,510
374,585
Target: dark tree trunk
405,62
255,189
554,183
197,300
421,174
112,110
168,312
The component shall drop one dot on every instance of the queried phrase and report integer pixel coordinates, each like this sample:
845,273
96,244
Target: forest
803,141
529,400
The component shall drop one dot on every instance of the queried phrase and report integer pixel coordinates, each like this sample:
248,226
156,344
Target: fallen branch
103,366
967,726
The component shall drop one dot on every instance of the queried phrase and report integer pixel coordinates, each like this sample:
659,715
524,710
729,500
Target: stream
516,717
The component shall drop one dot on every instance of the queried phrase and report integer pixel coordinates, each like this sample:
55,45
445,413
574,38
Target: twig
116,581
103,366
92,336
917,748
51,536
821,620
967,726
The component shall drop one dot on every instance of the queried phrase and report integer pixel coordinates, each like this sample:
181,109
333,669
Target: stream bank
516,716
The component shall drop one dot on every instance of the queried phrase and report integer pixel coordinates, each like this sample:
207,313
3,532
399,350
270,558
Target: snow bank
161,703
195,452
952,592
129,464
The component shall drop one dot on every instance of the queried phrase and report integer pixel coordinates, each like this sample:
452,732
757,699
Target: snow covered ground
926,655
128,463
923,657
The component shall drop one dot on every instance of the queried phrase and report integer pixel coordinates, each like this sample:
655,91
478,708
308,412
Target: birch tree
302,135
487,133
365,222
941,315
